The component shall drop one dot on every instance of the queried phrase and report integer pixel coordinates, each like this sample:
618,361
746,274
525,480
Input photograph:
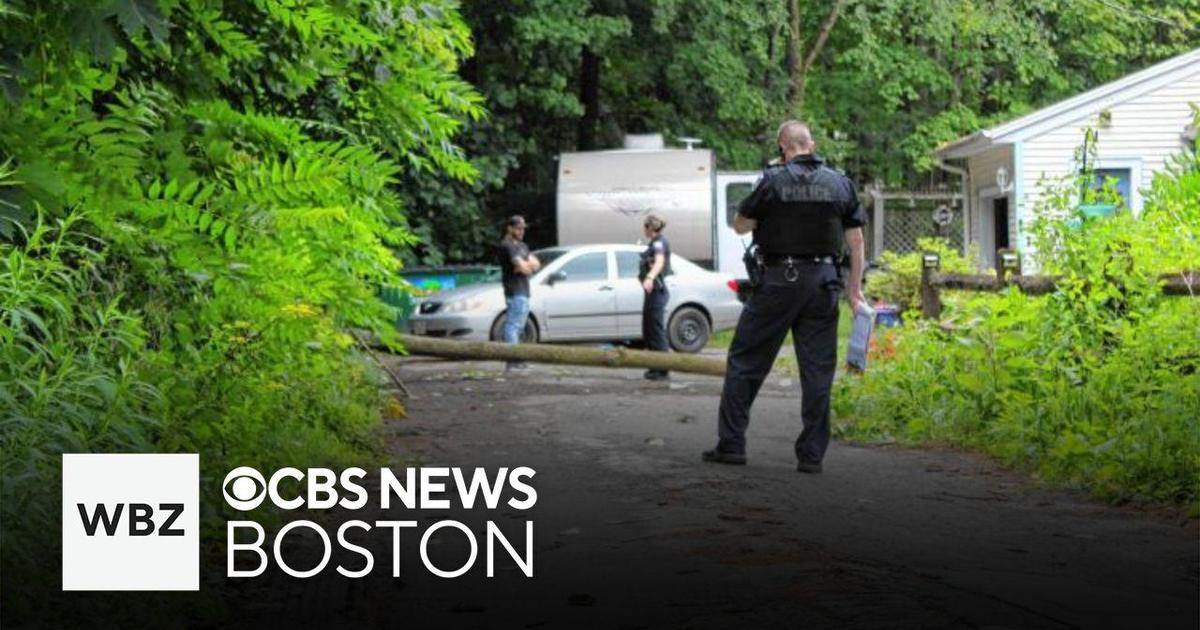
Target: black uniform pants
804,301
654,320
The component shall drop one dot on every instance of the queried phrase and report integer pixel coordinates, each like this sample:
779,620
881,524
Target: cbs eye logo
244,488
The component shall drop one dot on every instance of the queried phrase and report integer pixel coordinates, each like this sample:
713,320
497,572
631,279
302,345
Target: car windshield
547,256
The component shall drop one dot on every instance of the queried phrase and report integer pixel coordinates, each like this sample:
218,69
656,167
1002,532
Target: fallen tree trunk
570,355
1178,284
1030,285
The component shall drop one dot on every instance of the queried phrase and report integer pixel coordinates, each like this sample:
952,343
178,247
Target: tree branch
792,56
823,34
798,69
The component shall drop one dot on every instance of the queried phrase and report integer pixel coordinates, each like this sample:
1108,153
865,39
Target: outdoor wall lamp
1002,182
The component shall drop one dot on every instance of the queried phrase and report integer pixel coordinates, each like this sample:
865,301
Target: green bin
420,281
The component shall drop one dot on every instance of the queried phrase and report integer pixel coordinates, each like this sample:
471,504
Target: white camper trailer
603,197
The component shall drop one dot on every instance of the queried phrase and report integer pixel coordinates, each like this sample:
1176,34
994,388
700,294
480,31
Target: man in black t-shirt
516,265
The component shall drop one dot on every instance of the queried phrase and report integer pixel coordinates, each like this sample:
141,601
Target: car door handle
605,287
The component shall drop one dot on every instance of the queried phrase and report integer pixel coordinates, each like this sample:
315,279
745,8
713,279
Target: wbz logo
131,522
141,519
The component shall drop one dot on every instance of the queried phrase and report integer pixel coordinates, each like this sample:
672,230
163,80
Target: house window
1123,177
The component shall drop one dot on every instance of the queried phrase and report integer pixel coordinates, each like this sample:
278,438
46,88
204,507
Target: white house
1141,121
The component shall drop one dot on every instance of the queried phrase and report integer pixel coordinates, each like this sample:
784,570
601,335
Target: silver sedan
587,293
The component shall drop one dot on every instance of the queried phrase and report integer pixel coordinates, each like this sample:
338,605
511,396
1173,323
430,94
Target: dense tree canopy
892,80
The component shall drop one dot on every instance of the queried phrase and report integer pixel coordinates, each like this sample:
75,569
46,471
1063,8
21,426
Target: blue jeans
514,323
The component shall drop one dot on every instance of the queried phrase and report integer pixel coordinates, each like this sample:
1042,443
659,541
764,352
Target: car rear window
628,264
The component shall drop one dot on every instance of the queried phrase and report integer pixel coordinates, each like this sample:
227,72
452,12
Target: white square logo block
131,522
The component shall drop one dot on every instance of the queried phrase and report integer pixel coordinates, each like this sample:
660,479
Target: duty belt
792,260
791,263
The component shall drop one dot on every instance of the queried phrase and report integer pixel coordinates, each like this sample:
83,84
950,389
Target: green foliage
197,198
69,381
901,77
894,80
1096,384
899,280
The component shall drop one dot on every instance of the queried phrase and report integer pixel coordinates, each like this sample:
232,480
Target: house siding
1146,130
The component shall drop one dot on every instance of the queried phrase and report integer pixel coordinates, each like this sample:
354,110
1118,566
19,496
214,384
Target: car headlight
459,306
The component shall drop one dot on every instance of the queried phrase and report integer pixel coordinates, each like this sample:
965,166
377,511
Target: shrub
899,280
197,199
1096,384
69,376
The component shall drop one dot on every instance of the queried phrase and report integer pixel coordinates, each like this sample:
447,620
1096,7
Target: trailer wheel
688,330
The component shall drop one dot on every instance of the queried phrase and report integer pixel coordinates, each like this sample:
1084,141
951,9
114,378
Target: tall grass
69,379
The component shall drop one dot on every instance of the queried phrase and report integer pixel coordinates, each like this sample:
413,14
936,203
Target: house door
1000,223
993,225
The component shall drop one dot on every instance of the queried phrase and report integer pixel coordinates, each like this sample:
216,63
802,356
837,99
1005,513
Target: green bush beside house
1096,385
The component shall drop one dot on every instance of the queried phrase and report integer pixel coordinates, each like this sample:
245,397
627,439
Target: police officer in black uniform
799,213
655,266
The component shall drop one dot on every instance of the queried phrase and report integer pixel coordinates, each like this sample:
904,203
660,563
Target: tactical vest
647,260
802,213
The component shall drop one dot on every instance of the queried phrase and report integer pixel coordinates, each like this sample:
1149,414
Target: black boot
718,457
656,375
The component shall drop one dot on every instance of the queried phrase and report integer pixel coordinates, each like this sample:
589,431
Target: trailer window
734,194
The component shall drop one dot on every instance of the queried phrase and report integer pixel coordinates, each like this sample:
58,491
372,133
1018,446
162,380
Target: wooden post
877,193
1008,262
1185,283
931,299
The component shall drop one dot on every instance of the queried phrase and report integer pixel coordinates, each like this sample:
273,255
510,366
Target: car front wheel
528,335
688,330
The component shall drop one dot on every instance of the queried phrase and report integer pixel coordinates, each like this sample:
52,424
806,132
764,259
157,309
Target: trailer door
732,188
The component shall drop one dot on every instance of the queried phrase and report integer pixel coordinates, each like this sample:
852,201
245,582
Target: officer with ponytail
655,266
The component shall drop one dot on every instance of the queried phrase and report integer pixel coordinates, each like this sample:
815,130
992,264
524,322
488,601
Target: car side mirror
556,277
